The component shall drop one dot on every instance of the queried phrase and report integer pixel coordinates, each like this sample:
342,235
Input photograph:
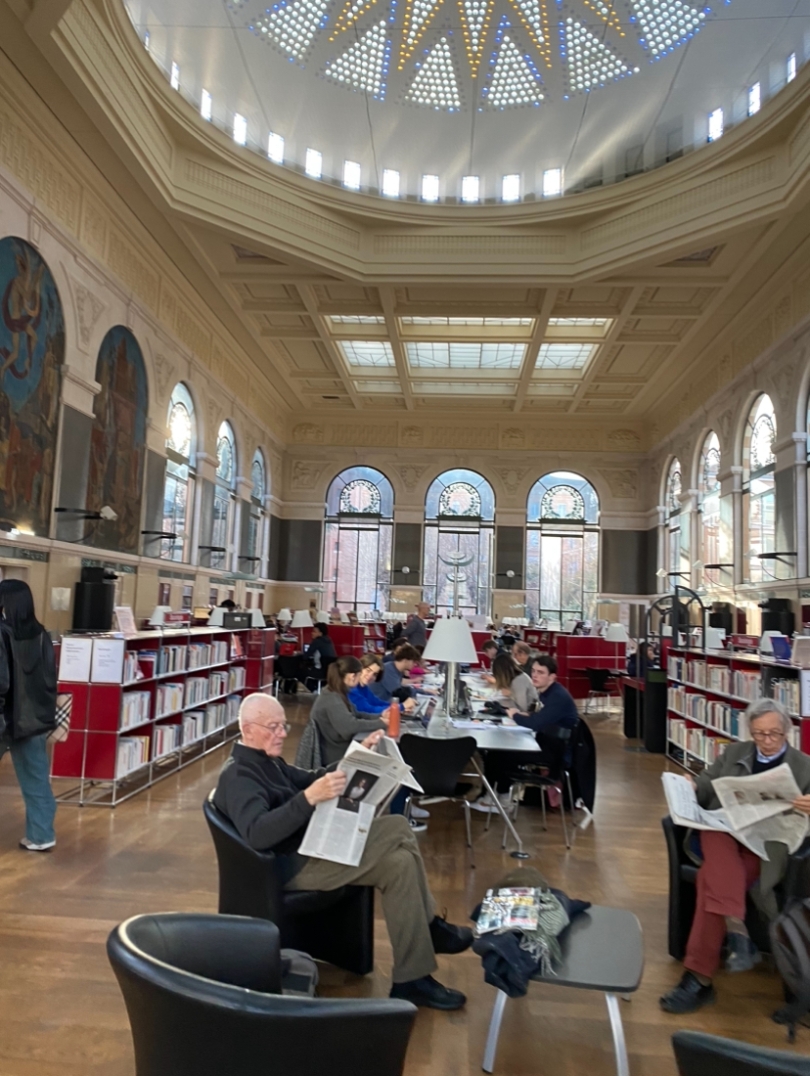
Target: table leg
617,1028
494,1030
519,853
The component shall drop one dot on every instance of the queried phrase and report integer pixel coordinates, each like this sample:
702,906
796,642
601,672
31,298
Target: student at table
522,655
362,697
513,686
336,719
391,683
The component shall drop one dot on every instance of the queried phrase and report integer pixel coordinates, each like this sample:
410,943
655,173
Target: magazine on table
338,828
517,908
754,809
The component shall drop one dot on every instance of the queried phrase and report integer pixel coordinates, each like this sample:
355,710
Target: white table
487,738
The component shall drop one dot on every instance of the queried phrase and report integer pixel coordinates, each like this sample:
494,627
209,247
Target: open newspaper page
338,829
754,810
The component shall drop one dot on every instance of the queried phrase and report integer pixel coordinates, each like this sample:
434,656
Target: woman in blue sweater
362,697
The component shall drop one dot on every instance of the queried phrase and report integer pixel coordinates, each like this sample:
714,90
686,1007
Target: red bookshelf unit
708,692
147,705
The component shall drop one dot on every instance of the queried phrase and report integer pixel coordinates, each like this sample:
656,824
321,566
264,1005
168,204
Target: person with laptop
321,650
363,698
391,684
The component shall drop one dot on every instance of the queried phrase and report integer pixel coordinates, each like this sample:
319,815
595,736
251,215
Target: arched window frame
562,548
181,475
222,528
358,540
709,503
459,516
257,518
674,488
759,490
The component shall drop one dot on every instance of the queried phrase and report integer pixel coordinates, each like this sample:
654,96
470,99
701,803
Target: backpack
790,948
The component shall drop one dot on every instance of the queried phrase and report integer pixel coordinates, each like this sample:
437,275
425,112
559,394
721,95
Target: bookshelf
708,692
150,704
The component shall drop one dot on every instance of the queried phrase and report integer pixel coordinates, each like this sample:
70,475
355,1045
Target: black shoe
688,996
741,953
428,993
448,938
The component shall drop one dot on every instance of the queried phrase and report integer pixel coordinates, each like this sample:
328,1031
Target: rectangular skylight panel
579,322
466,356
357,319
564,356
385,387
552,182
430,188
716,124
239,129
791,67
754,99
469,188
313,165
275,148
390,183
175,76
351,175
206,105
467,321
510,189
367,352
464,388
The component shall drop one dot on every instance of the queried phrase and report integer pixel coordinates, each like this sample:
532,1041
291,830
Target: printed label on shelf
108,661
75,657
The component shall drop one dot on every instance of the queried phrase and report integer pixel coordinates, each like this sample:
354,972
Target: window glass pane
367,543
485,495
550,577
347,566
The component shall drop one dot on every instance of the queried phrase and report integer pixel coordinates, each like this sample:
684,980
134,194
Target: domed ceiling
442,99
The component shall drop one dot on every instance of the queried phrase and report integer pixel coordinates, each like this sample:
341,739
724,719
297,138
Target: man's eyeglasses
275,726
767,735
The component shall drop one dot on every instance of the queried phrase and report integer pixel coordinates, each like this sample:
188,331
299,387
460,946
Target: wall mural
117,442
32,349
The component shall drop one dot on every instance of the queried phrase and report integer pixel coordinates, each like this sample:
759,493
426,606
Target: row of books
171,658
165,740
133,752
201,655
719,715
168,698
728,726
747,684
696,741
236,678
134,708
199,723
788,693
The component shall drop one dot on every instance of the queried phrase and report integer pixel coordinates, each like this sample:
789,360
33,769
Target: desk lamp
284,617
451,641
301,619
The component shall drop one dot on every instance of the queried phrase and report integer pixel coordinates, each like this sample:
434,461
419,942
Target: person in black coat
28,692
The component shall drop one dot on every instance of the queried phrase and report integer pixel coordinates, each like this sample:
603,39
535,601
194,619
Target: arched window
673,506
178,488
709,486
256,539
562,548
459,519
358,540
759,493
222,529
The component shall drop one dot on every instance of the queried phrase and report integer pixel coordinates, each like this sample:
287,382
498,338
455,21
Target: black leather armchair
698,1054
337,927
203,997
682,893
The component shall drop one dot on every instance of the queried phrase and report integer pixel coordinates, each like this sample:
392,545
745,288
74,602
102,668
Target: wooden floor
62,1014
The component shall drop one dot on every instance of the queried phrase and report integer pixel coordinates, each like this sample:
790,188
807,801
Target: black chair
437,766
203,995
682,892
598,686
554,773
317,677
289,669
699,1054
335,926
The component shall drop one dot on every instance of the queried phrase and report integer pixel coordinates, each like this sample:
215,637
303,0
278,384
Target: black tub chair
203,995
337,927
698,1054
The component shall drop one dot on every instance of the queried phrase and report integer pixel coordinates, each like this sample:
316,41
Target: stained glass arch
226,455
709,488
562,496
360,491
709,478
759,491
358,540
674,488
181,423
258,477
460,493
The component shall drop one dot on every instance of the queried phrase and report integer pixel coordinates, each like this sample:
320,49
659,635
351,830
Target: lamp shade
344,618
302,619
215,620
451,640
284,615
322,616
157,618
256,618
616,633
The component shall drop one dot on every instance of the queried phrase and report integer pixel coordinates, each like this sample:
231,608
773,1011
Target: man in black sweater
270,803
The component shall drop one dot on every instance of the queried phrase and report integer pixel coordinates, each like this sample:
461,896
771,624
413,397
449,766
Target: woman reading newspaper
729,868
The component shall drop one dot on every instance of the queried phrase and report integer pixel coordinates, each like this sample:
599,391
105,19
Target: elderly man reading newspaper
271,804
751,806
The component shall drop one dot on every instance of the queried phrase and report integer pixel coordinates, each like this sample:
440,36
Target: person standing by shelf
415,631
28,690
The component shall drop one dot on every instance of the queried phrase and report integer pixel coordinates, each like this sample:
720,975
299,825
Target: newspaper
509,909
753,809
338,828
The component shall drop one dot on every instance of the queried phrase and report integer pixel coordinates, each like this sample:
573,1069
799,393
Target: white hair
258,701
769,706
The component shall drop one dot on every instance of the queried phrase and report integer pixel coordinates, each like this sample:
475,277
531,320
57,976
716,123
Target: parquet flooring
62,1014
